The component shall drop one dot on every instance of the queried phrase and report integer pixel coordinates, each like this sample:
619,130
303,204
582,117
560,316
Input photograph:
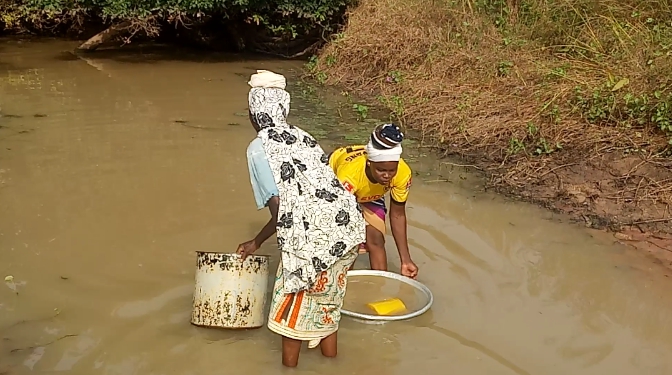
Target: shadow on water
155,53
135,53
149,54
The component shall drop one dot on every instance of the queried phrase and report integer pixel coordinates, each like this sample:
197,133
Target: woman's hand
409,269
247,248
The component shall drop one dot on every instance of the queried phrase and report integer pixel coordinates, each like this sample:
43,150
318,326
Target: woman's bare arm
269,229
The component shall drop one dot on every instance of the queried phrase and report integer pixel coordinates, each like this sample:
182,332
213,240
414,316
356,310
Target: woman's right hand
247,248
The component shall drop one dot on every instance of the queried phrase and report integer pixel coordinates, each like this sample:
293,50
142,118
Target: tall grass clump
515,82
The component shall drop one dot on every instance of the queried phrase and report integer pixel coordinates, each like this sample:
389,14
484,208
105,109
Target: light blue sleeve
261,176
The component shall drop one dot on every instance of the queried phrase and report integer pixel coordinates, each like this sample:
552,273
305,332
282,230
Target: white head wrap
267,79
376,155
385,143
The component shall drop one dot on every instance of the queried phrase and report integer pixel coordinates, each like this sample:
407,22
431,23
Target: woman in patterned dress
318,223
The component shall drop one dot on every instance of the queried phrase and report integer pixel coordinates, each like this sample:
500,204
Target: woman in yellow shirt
369,172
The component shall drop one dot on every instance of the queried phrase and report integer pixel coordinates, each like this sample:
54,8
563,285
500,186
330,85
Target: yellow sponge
388,306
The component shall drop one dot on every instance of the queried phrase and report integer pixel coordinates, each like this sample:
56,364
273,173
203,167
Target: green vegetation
275,20
526,87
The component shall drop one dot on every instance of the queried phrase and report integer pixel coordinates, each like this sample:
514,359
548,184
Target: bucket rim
232,254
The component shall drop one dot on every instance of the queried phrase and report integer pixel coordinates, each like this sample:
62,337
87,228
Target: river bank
573,119
341,122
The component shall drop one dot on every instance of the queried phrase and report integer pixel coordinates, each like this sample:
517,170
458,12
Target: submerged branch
104,36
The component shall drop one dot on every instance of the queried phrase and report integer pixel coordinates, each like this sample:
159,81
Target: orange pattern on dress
297,307
341,281
321,283
278,316
326,317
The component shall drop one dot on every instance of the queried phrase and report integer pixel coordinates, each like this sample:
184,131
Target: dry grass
524,86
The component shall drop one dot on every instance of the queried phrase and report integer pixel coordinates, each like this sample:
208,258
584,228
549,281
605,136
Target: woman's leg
329,345
374,214
291,348
375,243
290,351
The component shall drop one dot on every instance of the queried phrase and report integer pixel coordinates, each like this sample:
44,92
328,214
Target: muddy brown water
114,171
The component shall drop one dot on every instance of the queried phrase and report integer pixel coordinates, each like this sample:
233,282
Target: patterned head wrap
268,100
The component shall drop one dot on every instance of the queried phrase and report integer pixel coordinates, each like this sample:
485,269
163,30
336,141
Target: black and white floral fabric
318,220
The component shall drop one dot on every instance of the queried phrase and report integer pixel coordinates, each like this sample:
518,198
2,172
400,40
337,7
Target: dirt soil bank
576,120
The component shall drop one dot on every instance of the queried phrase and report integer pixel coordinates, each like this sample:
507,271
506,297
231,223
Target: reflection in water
133,166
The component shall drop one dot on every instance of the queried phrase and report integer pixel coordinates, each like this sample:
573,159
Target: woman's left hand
409,269
247,248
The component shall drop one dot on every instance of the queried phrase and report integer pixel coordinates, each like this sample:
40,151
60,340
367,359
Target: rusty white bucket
230,293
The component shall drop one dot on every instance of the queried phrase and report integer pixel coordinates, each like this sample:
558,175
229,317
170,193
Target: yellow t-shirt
349,164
